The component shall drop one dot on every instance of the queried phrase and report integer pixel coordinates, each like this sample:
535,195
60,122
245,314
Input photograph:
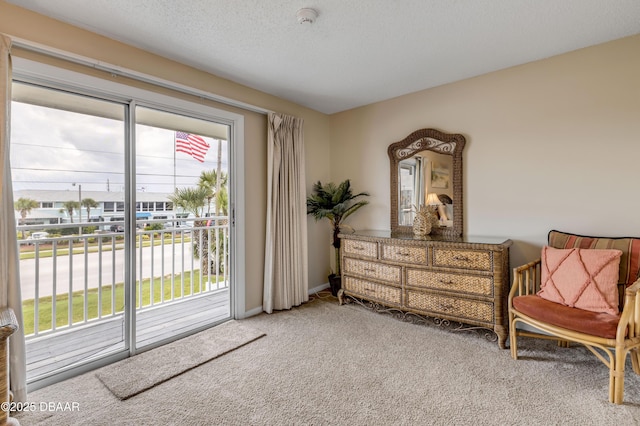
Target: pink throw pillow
581,278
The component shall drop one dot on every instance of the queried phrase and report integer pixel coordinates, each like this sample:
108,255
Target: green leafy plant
335,203
24,206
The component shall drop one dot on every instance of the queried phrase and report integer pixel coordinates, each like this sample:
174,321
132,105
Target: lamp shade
433,200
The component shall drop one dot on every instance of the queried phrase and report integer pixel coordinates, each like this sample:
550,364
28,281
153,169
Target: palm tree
191,200
24,206
70,207
89,203
208,182
222,196
336,203
222,200
216,188
218,181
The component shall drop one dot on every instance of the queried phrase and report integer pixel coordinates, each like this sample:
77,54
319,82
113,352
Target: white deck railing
71,280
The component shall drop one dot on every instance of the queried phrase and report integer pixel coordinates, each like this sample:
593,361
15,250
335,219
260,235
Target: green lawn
62,301
62,248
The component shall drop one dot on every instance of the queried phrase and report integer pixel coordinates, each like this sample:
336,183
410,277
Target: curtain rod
135,75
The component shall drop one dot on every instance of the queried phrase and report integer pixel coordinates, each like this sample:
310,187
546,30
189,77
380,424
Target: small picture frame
439,175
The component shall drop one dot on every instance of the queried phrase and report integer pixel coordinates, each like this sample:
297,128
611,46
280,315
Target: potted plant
336,203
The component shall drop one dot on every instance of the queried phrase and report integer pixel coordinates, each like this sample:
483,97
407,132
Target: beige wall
18,22
552,144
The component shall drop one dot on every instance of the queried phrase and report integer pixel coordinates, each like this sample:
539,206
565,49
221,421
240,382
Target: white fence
80,278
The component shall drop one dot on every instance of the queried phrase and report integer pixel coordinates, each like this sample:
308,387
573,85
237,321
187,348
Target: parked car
37,236
120,227
117,228
183,228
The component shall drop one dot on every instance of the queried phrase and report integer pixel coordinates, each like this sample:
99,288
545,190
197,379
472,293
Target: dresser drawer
470,284
372,291
477,260
378,271
360,248
406,254
450,306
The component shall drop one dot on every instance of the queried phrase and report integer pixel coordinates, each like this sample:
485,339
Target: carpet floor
324,364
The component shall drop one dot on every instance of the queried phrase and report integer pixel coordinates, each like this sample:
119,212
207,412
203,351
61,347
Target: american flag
193,145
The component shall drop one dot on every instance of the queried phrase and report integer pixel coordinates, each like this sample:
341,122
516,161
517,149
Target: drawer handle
446,308
461,258
404,254
369,270
358,248
442,281
370,290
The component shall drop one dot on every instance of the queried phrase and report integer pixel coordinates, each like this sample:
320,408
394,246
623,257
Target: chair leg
612,385
616,381
5,418
635,360
513,337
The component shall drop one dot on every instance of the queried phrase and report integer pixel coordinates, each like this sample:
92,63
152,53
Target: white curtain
9,261
285,266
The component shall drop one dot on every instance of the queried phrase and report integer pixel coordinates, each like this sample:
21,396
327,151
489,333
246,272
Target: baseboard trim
252,312
318,288
258,310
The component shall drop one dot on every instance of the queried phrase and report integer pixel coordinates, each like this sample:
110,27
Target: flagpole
175,141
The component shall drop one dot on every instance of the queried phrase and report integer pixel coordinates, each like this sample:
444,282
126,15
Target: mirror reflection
426,170
425,179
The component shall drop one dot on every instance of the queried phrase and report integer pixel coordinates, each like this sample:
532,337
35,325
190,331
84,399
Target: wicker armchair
610,343
8,325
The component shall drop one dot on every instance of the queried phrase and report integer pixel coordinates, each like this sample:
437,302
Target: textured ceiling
357,51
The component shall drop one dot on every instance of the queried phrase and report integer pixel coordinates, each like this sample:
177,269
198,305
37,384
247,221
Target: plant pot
335,283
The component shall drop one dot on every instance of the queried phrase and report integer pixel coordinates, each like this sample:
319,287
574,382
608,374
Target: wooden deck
48,354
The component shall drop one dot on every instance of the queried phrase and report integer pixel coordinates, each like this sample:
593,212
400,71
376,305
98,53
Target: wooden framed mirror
428,162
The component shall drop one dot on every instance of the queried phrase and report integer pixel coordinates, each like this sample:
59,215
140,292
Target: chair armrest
526,280
629,324
8,322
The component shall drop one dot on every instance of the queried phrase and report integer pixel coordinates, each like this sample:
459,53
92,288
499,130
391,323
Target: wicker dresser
464,279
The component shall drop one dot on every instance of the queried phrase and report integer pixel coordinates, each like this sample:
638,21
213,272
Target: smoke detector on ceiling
306,15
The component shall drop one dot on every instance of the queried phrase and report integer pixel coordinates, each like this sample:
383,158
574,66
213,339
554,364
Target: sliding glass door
68,164
124,202
182,221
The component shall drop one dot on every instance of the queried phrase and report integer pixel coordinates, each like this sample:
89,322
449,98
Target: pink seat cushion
588,322
581,278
